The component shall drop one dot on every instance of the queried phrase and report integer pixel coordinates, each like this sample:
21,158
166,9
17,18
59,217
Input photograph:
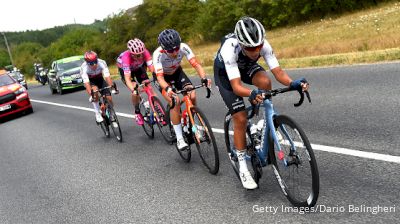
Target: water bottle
255,135
185,129
196,131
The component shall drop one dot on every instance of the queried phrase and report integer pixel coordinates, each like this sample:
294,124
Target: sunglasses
173,50
92,62
257,48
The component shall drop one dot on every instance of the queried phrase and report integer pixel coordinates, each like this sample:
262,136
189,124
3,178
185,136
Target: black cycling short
140,74
234,102
178,79
100,83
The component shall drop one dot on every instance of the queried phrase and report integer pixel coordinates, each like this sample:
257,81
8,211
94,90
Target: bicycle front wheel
163,121
295,166
114,123
148,120
205,140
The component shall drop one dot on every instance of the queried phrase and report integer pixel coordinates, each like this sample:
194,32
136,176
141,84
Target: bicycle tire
162,120
186,154
148,122
105,128
114,120
251,157
210,157
284,172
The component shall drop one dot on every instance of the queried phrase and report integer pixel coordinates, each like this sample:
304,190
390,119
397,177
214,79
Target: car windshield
6,80
69,65
15,75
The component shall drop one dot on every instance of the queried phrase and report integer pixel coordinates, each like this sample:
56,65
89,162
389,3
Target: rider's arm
268,54
192,60
128,81
239,89
149,60
158,67
161,81
85,79
106,72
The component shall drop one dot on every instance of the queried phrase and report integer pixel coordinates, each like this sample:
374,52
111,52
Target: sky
22,15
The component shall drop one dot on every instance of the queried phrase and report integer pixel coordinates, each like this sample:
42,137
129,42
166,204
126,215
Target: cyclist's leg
237,108
95,101
175,113
261,80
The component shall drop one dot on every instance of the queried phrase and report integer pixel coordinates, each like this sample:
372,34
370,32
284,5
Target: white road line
343,151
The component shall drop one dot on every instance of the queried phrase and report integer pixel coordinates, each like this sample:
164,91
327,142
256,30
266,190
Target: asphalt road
56,167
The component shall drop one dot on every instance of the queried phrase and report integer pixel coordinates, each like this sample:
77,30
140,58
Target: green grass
371,35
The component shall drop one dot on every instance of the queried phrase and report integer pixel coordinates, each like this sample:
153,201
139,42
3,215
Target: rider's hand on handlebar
169,91
299,85
206,82
256,96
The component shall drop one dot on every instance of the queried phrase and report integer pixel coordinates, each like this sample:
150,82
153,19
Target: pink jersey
126,62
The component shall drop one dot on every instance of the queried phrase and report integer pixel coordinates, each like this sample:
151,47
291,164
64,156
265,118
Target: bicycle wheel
105,128
296,169
205,140
163,121
148,121
252,159
114,123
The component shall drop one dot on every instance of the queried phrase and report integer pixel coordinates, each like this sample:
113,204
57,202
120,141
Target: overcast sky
22,15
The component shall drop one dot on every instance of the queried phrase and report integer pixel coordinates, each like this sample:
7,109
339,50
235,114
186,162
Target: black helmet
169,39
250,32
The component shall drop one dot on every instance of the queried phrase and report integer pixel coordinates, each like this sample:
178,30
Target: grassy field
366,36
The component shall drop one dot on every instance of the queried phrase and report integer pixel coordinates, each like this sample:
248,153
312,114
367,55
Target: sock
242,161
137,109
178,131
96,107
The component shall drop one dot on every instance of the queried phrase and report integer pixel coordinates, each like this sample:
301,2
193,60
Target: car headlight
20,90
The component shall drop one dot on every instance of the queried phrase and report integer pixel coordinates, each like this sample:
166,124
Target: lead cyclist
236,62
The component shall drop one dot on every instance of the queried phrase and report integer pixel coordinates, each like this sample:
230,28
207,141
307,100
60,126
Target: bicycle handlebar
184,91
114,86
270,93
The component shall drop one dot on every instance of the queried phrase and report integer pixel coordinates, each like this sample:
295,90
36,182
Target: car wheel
59,89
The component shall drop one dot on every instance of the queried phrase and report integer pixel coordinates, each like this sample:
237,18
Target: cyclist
167,64
134,61
92,72
236,62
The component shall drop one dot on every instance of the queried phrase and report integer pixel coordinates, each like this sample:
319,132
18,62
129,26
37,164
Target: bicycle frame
148,90
269,128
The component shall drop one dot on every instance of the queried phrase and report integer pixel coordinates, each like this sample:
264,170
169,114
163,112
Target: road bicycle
153,112
196,130
109,116
280,142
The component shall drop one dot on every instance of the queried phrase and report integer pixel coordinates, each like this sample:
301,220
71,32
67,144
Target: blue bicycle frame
268,127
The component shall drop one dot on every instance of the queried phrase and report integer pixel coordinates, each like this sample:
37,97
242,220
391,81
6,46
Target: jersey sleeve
106,71
187,51
147,57
229,57
83,73
268,54
157,57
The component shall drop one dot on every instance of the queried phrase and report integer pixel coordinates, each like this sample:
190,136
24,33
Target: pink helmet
136,46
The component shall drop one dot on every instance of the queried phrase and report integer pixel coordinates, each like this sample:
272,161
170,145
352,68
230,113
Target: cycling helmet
250,32
90,56
169,39
136,46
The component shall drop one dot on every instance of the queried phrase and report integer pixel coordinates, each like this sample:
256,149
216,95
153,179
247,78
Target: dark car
17,75
13,97
65,74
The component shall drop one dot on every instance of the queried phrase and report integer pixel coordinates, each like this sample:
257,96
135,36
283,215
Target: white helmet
250,32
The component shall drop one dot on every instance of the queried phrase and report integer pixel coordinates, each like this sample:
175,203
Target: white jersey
231,57
163,64
88,73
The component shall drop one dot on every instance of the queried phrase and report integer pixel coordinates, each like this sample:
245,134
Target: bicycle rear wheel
105,128
296,171
114,123
205,140
252,159
163,122
148,120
